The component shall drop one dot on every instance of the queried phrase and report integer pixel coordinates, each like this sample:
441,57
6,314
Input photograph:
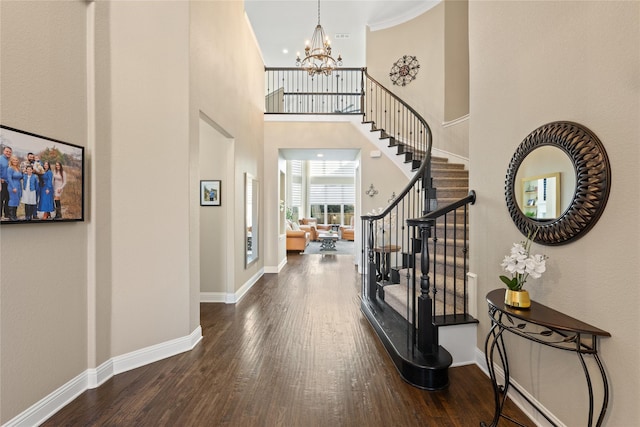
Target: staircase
452,183
414,256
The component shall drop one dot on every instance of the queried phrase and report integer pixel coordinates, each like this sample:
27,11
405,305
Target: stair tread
453,188
395,296
448,166
454,171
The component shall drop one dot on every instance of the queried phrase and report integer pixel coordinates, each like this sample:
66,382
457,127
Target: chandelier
317,54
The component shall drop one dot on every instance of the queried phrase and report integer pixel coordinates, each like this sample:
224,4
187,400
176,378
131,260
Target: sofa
311,224
297,238
348,231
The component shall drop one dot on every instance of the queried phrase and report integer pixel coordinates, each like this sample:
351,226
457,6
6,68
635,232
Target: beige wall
149,58
533,63
43,268
456,59
437,38
214,154
228,88
128,81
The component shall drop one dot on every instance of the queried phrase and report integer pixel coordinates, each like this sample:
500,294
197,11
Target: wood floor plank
295,351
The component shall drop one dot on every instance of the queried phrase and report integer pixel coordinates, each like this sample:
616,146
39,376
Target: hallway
295,351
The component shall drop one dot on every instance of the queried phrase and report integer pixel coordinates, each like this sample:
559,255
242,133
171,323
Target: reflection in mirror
251,219
539,196
547,181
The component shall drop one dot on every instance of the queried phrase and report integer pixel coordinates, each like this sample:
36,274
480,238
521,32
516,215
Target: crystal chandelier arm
318,59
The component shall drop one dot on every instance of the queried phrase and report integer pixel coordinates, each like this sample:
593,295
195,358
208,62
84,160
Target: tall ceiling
281,25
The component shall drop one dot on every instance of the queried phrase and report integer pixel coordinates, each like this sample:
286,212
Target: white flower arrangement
521,265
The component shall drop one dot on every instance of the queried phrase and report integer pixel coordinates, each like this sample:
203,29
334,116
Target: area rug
343,247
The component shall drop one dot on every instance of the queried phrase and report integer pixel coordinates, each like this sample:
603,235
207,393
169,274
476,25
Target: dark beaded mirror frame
593,180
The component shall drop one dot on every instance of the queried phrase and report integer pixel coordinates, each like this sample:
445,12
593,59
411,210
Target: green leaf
511,283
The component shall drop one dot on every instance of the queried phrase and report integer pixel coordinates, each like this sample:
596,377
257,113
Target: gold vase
517,299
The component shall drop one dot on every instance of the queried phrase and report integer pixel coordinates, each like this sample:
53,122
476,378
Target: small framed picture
210,193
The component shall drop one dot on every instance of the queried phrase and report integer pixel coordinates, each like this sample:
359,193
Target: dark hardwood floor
295,351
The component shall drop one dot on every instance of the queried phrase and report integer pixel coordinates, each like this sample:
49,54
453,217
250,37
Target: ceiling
286,25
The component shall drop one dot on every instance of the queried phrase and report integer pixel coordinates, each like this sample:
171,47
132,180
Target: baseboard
97,376
213,297
455,121
92,378
232,298
156,352
45,408
237,296
530,411
276,269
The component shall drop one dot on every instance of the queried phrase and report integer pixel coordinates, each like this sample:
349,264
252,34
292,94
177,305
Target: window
295,191
332,191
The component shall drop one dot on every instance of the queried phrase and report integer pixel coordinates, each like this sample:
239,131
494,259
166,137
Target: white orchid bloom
509,264
538,266
518,249
521,265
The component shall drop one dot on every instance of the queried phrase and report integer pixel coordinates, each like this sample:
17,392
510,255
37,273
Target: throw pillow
289,227
295,226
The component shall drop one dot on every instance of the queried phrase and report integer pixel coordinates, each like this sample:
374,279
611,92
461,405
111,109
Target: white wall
533,63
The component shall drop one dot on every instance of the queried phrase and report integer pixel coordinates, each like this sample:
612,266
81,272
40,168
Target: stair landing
429,372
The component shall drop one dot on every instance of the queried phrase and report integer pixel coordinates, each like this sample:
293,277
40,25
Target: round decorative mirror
558,183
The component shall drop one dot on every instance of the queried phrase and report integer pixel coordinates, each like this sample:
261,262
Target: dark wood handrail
302,69
425,166
404,104
419,173
470,198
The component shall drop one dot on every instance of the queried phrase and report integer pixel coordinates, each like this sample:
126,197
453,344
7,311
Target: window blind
331,182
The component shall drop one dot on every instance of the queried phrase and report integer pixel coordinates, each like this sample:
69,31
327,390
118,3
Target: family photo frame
210,193
42,178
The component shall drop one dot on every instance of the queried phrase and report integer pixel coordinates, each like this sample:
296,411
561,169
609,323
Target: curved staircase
414,256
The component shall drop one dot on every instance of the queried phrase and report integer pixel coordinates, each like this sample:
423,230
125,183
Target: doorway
216,223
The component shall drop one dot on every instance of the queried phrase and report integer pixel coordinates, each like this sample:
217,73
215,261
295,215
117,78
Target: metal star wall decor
404,70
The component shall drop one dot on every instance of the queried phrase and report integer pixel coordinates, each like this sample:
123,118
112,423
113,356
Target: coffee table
328,241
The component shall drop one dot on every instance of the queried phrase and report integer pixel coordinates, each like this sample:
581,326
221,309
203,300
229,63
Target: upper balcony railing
350,91
294,91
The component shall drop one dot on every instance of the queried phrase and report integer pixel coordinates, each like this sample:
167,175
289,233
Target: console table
545,326
328,241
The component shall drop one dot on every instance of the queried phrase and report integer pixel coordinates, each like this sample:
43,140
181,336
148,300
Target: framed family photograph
210,193
42,178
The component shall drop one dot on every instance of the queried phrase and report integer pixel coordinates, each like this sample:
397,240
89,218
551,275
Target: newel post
371,276
427,331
